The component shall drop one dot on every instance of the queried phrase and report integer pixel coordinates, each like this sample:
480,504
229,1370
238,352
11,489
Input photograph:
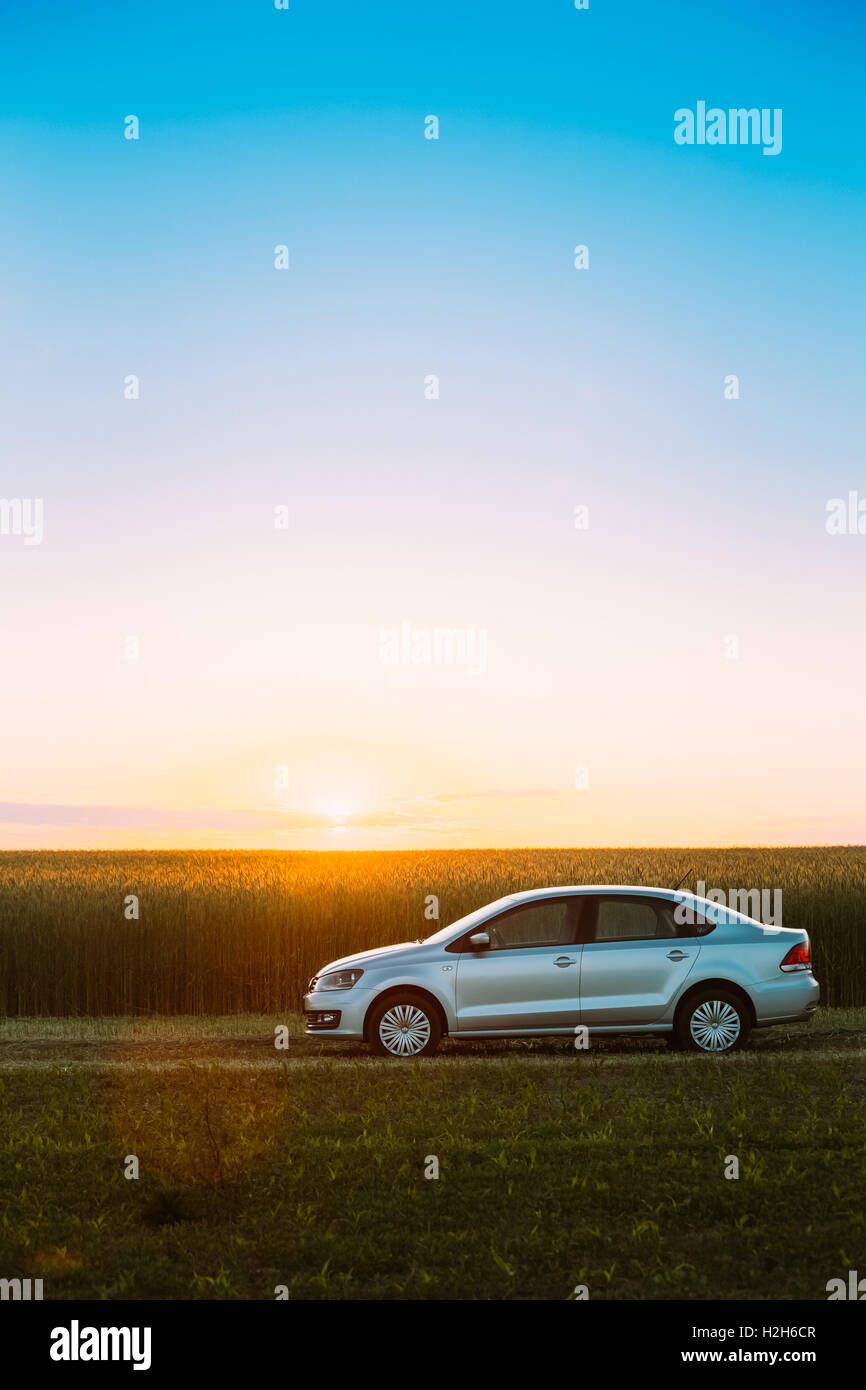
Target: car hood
345,962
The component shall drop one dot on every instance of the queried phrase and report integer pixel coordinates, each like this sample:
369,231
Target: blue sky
558,387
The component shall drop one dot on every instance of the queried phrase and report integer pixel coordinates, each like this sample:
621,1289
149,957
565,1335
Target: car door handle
563,961
678,955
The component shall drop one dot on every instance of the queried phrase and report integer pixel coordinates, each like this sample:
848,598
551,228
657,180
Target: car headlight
338,979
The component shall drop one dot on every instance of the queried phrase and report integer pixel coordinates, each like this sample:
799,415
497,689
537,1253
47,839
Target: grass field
237,932
306,1168
153,1037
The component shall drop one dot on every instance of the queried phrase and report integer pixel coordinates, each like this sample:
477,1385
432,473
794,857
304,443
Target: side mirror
479,940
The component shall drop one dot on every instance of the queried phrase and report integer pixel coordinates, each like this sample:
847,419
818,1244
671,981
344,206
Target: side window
690,920
667,921
701,926
547,923
628,919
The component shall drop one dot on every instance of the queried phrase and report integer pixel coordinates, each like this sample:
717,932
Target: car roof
720,913
558,890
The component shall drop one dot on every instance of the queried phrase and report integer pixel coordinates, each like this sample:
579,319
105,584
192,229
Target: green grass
556,1168
242,932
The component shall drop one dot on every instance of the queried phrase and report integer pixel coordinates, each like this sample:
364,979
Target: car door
633,962
529,977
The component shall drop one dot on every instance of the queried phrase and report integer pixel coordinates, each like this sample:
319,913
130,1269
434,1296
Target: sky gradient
259,711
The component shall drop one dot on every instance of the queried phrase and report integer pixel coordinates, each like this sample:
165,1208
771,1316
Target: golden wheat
242,931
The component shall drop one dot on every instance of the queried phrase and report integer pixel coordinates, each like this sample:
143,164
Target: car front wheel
714,1021
405,1025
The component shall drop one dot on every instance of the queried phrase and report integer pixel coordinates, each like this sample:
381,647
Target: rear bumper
789,999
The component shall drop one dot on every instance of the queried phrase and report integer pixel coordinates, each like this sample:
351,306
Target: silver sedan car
550,961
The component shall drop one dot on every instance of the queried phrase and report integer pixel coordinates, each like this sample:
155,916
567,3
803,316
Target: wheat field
224,932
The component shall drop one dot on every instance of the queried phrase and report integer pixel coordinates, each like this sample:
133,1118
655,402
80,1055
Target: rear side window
634,918
625,919
691,920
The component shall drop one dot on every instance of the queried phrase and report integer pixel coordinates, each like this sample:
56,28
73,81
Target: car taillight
798,958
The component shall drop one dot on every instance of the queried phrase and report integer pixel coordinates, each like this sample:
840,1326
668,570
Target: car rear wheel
714,1021
406,1025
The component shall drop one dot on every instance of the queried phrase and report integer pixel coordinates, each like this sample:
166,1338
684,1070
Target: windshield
465,923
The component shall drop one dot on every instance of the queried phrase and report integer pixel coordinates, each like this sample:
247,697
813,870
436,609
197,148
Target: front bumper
349,1005
323,1020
